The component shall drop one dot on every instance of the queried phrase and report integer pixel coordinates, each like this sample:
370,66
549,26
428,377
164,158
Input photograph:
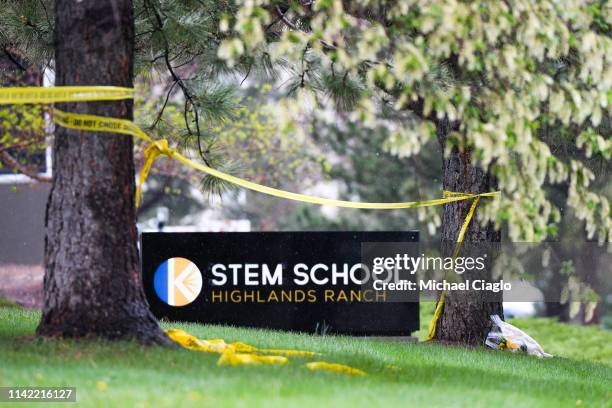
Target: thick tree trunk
92,285
465,318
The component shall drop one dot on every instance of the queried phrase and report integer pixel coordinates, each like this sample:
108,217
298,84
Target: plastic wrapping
504,336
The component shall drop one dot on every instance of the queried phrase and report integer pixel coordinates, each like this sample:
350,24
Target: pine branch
179,81
10,56
163,108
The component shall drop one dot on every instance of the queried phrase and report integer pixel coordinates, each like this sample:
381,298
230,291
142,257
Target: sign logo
177,281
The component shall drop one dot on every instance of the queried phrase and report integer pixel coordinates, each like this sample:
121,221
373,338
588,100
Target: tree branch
12,58
161,111
179,81
12,163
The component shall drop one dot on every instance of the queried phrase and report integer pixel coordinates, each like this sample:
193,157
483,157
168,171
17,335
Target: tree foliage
186,93
503,73
526,86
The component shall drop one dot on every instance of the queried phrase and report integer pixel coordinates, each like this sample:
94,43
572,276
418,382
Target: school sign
299,281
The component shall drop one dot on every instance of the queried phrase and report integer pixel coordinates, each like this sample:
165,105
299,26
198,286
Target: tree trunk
92,285
465,317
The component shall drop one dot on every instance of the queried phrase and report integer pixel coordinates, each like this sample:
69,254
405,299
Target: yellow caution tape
440,305
161,147
193,343
335,368
238,359
239,354
31,94
94,123
236,353
220,346
113,125
437,313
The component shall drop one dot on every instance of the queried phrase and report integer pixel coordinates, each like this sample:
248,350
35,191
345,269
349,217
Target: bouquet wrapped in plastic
504,336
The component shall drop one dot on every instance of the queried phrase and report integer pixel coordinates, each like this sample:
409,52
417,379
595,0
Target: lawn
567,340
425,375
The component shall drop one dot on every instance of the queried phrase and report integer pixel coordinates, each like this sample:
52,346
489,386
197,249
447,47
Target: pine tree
92,283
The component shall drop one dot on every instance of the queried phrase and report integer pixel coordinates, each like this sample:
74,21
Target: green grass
566,340
126,374
7,303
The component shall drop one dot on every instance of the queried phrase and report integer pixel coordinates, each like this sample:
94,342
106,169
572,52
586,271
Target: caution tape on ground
220,346
241,354
156,148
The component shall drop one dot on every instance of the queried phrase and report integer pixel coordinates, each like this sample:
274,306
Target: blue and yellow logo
177,281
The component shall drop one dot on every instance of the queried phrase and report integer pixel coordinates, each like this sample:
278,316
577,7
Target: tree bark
92,285
465,317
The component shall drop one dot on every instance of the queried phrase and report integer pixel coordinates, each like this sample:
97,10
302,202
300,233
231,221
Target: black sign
298,281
